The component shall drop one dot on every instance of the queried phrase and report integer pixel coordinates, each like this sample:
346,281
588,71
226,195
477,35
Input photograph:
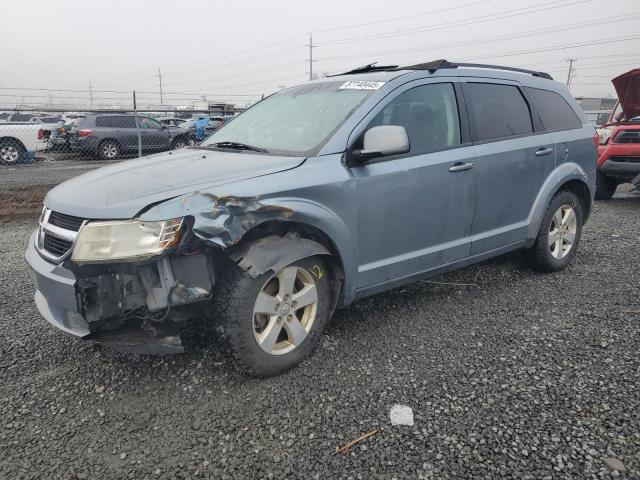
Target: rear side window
497,111
554,110
112,121
429,114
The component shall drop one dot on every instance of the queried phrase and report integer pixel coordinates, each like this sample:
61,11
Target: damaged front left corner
225,219
138,308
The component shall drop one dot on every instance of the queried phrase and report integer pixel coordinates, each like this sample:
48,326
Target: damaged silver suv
314,197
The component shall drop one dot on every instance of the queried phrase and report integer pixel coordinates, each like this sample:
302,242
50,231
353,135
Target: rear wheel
275,320
12,152
109,150
605,187
559,234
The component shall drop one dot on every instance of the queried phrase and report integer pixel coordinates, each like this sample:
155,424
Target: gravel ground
525,375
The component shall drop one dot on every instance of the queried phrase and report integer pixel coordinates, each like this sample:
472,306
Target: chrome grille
65,221
57,234
56,246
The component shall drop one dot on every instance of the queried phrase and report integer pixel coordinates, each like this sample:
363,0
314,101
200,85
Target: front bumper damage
134,307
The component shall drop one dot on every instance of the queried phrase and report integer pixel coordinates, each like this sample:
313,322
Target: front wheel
275,320
559,234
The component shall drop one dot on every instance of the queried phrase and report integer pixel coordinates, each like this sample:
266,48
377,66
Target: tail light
596,139
40,134
84,133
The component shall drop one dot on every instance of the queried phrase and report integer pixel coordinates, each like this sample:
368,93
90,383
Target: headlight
124,240
603,135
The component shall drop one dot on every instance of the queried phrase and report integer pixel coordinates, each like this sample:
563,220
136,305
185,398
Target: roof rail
443,64
370,67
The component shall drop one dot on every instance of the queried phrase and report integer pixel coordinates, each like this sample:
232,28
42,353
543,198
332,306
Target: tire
251,334
179,142
108,150
12,152
605,186
551,251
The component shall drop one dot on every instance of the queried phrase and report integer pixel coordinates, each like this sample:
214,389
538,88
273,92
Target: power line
458,23
405,17
556,47
498,38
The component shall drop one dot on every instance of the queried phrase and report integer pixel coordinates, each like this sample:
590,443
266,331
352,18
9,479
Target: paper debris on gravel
401,415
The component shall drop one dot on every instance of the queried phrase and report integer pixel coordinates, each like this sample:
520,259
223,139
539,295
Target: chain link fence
40,149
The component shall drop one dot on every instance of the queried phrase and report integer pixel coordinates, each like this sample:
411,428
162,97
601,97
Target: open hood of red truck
627,87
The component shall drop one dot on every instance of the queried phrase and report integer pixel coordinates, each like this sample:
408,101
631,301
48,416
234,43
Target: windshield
296,121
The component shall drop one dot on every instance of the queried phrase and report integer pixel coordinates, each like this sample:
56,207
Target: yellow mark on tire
317,271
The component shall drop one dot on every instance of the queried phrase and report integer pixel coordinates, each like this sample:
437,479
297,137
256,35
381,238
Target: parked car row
109,136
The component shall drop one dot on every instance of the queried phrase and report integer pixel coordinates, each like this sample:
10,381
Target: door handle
460,167
543,151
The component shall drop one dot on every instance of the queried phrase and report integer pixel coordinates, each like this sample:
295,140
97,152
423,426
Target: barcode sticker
361,85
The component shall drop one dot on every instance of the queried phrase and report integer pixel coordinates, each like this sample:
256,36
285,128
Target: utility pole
311,47
91,94
160,79
570,74
282,87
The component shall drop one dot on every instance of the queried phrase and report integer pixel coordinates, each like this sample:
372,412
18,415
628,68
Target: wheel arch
13,140
274,244
569,176
581,190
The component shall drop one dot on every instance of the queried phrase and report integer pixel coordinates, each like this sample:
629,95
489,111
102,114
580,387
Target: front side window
555,112
296,121
429,114
497,111
150,123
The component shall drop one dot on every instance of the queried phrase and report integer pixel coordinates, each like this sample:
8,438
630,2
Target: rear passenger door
574,142
514,158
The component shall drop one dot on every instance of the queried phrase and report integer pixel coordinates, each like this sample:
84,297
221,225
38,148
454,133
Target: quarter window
428,113
497,111
554,110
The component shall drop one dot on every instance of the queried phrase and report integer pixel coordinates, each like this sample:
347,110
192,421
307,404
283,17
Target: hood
122,190
627,87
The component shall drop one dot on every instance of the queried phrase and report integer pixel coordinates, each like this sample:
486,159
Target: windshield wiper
239,146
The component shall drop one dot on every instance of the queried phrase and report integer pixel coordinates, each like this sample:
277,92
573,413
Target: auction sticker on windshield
361,85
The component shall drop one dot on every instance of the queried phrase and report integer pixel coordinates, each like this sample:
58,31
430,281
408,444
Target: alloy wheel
284,311
562,232
109,150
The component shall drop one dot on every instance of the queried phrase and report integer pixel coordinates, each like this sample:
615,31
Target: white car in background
19,142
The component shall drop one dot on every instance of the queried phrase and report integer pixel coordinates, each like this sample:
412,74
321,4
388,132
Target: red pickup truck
619,149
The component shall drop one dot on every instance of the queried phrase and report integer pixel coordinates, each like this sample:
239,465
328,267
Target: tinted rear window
554,110
497,111
115,121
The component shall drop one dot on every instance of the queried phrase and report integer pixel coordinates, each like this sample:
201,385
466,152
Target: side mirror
381,141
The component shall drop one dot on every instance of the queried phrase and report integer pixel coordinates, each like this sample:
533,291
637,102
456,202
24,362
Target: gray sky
238,50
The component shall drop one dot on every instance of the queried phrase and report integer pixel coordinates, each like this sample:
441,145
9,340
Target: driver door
415,210
155,136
